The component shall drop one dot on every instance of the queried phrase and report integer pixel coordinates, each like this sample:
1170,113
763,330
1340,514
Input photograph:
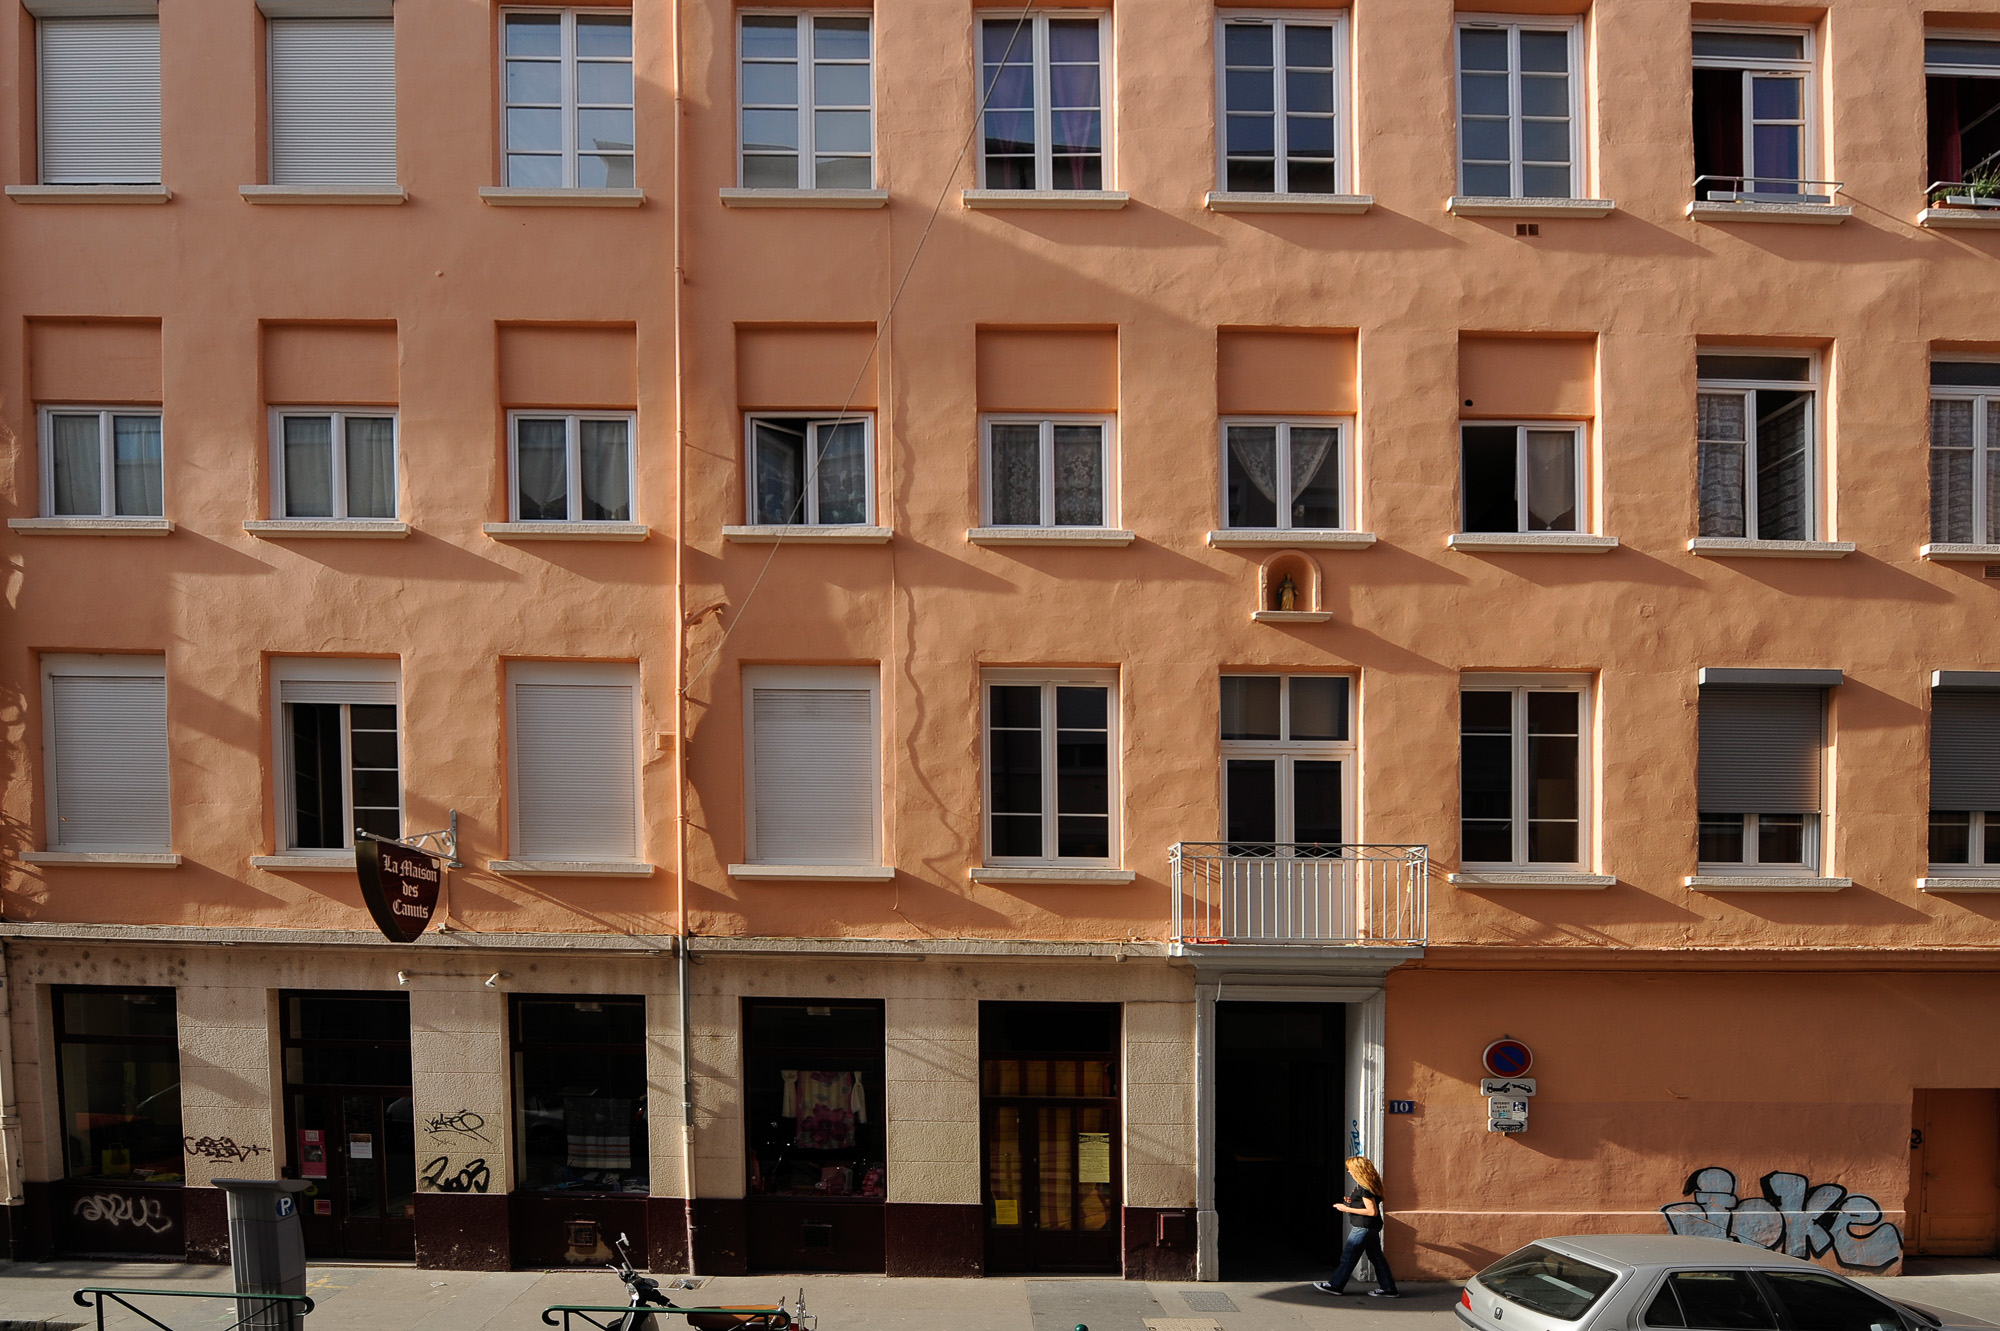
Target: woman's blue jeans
1360,1243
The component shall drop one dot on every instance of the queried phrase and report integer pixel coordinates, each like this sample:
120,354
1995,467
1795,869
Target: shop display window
813,1099
580,1094
120,1081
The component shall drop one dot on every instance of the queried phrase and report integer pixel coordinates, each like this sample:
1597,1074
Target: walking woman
1364,1232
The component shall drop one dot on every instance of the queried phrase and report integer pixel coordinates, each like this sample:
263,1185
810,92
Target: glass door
351,1127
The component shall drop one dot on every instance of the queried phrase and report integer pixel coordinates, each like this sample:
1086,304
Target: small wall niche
1288,590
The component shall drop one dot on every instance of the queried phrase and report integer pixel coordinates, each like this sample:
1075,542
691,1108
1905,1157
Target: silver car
1649,1282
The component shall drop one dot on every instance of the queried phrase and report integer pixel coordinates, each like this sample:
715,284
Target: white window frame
576,672
1343,459
331,670
1815,447
1108,519
1580,435
843,678
815,421
107,460
1049,680
1805,68
1284,752
1985,401
572,460
1983,848
135,665
1809,844
1343,119
1521,686
1038,30
808,168
338,448
1512,25
571,103
1942,69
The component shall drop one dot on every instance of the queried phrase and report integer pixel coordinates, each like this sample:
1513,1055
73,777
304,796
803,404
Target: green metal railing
760,1317
97,1296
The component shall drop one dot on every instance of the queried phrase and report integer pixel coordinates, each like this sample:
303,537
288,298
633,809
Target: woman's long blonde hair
1363,1171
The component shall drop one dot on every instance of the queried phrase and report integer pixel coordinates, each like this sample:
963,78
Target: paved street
37,1296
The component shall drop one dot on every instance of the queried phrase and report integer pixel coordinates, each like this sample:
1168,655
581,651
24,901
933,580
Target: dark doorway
349,1120
1048,1128
1280,1097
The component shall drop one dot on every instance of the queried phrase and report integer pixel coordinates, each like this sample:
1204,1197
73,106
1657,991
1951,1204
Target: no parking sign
1507,1058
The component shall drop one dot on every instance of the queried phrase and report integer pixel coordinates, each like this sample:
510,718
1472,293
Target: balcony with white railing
1294,893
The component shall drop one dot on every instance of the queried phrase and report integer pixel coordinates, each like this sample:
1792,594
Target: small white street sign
1507,1111
1510,1087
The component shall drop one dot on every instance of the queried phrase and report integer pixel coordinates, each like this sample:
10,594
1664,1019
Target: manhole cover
1207,1301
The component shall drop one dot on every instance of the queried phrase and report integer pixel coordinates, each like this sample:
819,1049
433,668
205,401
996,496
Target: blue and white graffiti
1793,1216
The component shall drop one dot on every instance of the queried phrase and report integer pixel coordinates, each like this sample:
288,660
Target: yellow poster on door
1093,1157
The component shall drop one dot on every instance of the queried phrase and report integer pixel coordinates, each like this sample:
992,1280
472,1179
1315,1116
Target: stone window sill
1944,553
312,529
986,199
103,859
89,193
985,873
810,873
1048,536
567,531
1765,882
91,526
1738,547
1291,616
1958,883
571,868
804,535
1528,879
1971,219
335,862
1531,543
1240,201
1821,214
1301,538
1477,205
506,196
804,198
325,194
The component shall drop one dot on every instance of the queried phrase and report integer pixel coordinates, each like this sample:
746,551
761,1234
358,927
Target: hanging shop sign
1507,1058
400,885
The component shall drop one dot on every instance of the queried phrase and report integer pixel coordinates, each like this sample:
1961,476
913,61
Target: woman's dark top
1359,1197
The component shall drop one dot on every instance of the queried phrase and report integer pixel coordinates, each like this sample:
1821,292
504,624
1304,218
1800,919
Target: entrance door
350,1125
1955,1168
1048,1127
1280,1092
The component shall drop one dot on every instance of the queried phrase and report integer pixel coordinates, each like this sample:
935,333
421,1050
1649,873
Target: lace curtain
371,467
606,469
541,467
1952,473
1721,430
79,489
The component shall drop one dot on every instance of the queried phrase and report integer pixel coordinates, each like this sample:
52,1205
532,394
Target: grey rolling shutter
100,100
1761,749
110,760
333,101
1965,751
378,692
817,772
576,766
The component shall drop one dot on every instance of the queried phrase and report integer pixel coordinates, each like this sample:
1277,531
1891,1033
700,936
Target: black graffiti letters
464,1122
474,1177
222,1148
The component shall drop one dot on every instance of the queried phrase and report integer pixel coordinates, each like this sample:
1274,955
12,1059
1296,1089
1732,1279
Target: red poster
312,1153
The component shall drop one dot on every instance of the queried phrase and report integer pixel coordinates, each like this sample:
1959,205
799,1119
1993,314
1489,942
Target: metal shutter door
100,101
110,757
576,766
815,765
1761,749
1965,751
333,101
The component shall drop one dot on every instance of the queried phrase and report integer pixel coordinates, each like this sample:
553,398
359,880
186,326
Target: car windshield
1548,1282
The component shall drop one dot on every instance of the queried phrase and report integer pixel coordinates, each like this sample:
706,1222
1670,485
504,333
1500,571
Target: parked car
1590,1282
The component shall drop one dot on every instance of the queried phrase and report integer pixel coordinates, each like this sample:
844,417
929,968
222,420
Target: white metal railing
1764,189
1981,193
1293,892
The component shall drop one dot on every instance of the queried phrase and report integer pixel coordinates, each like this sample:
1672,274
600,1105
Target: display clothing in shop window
826,1107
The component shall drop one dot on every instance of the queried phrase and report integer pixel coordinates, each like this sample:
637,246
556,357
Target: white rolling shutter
815,764
374,692
576,770
109,755
333,101
100,100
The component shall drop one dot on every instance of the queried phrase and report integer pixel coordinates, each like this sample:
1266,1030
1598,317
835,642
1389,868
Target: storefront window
813,1099
580,1094
120,1073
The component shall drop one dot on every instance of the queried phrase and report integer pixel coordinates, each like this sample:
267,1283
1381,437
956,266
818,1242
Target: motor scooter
645,1293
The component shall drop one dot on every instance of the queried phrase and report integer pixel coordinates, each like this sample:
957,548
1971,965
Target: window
335,464
100,100
1287,761
808,101
1965,780
813,1099
1517,114
815,769
580,1094
1548,1282
106,749
1962,85
1753,114
573,761
1521,761
1522,477
1965,452
1711,1301
568,99
572,468
1050,783
340,752
1284,474
119,1077
333,101
1047,473
1757,432
1815,1302
814,472
1044,96
1281,100
101,463
1759,777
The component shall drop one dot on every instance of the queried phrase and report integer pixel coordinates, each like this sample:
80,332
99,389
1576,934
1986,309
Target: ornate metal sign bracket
443,842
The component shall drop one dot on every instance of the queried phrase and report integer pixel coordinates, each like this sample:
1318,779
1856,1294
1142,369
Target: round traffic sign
1507,1058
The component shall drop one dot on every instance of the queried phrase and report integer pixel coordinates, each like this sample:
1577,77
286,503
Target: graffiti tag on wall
473,1177
1794,1216
463,1123
222,1148
116,1209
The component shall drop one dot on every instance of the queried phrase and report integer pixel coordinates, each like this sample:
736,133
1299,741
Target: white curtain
1079,474
371,467
781,468
1721,433
1017,475
308,466
135,461
73,452
607,471
1255,449
541,469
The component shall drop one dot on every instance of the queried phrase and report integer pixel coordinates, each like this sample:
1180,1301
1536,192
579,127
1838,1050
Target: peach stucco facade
1789,1022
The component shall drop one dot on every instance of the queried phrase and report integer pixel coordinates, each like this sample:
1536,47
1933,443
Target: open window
1962,92
1754,139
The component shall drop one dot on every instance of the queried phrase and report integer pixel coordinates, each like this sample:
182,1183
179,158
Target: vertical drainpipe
1206,1265
10,1105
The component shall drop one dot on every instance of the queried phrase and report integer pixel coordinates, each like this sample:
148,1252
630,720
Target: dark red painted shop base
1159,1243
462,1232
205,1220
935,1240
721,1236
